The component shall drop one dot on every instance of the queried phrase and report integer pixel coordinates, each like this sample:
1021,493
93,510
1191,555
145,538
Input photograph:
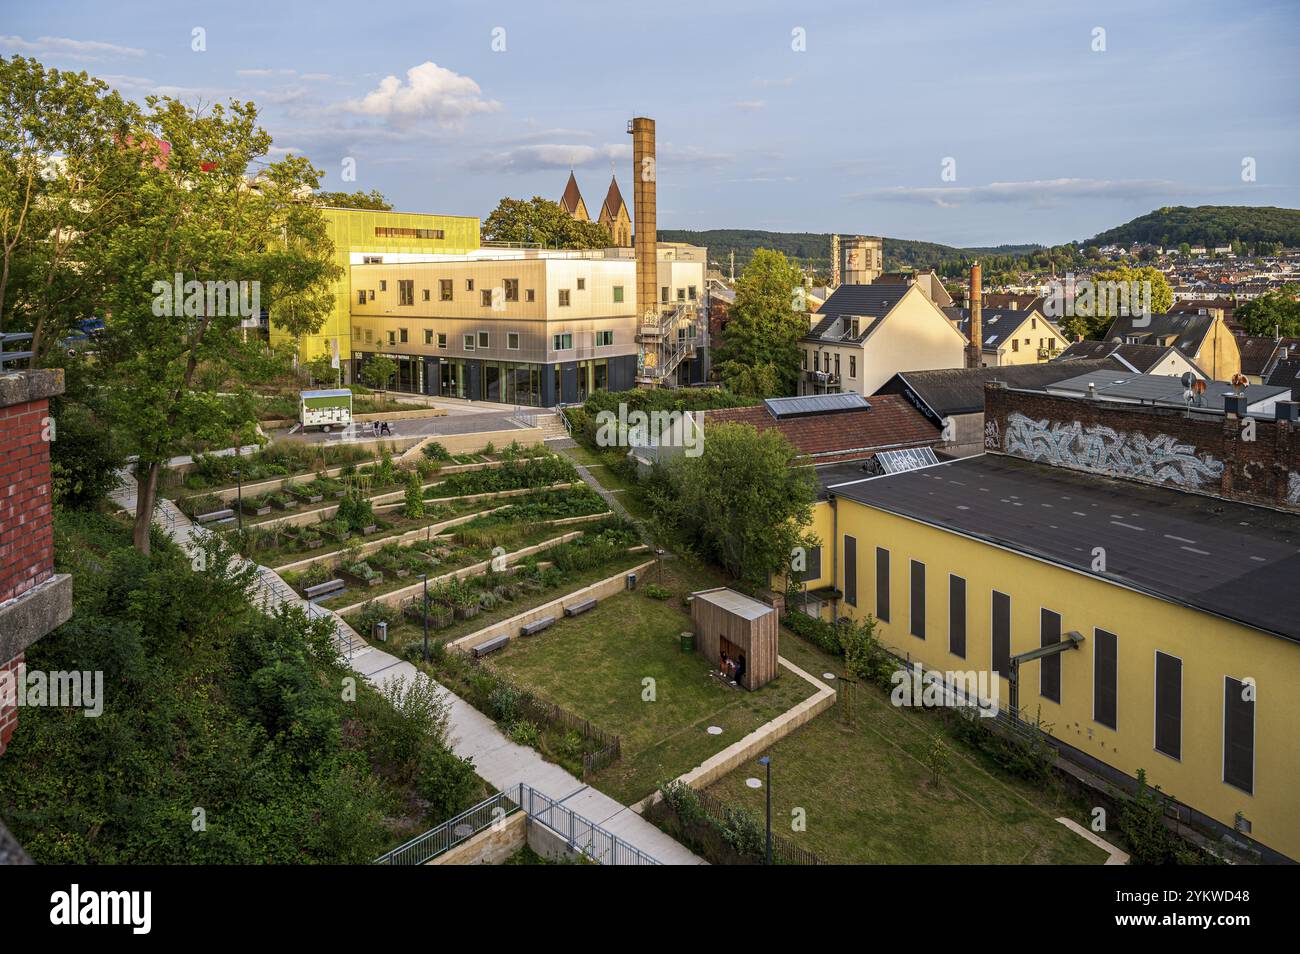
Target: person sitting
723,662
739,672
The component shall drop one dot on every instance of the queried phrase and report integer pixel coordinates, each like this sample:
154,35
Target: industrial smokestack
644,199
975,349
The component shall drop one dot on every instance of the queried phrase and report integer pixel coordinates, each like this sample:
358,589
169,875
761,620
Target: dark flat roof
1223,557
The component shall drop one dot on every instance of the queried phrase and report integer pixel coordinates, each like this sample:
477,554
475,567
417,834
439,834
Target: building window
1105,678
564,297
882,584
383,285
402,335
1015,344
469,284
382,231
663,294
392,338
1169,705
370,336
604,338
1238,735
805,360
405,291
468,342
1001,633
582,284
444,289
428,337
1049,667
482,339
957,616
812,565
530,295
485,298
850,570
618,294
837,364
853,365
690,293
511,286
561,342
512,340
442,339
917,622
372,259
371,293
361,297
426,294
681,294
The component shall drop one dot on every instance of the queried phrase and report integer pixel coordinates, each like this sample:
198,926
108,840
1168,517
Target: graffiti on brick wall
1293,489
1159,458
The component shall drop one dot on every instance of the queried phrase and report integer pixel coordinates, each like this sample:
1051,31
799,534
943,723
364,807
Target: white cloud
430,92
751,105
86,49
550,156
1037,192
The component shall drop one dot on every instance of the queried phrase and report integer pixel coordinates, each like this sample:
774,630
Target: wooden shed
742,627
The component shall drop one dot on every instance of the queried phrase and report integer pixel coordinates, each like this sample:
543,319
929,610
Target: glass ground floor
514,382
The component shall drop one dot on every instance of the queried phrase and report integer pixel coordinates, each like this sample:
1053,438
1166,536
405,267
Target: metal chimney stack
975,348
644,175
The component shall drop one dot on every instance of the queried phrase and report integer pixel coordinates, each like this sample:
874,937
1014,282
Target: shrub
525,733
436,452
654,591
414,507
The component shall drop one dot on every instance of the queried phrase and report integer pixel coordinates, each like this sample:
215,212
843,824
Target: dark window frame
1104,697
882,584
957,646
912,615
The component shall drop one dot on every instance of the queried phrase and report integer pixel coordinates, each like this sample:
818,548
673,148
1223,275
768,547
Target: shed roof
738,604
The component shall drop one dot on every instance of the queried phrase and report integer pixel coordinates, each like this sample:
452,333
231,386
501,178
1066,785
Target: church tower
614,216
572,202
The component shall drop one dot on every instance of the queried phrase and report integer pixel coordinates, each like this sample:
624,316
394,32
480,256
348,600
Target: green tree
65,160
373,199
740,503
1277,312
379,371
193,217
544,222
759,353
1102,310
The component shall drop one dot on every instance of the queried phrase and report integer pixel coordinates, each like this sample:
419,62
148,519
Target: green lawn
602,469
869,800
594,666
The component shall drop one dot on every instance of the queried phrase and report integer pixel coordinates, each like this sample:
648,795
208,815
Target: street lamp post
766,762
424,612
239,505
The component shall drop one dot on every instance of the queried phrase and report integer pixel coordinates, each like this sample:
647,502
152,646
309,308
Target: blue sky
1052,140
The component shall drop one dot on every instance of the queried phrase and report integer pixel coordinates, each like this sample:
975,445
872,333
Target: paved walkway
472,734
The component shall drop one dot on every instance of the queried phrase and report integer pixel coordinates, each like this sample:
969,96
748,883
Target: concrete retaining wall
491,846
510,627
473,443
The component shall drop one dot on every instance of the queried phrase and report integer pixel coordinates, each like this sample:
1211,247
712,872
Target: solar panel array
807,404
898,461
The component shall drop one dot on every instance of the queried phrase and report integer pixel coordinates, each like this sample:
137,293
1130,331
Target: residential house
1011,336
1205,340
1142,358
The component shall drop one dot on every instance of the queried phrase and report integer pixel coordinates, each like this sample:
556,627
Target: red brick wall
1206,455
26,536
8,712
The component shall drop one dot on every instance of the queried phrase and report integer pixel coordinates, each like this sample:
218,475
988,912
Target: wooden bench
535,627
323,589
214,515
491,646
577,608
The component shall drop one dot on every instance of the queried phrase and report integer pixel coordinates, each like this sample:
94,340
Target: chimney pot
1235,404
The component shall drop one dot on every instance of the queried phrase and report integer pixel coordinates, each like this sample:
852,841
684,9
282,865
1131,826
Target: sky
964,123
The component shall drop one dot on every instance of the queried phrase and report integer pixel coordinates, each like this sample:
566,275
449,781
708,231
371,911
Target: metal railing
6,356
596,843
600,845
438,841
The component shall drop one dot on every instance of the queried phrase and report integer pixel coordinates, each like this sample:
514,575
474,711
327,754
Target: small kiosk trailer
325,409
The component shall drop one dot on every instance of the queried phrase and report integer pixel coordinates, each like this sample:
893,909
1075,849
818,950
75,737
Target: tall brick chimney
975,346
33,598
644,176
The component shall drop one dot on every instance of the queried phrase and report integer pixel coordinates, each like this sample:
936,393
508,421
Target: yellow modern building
1180,612
364,235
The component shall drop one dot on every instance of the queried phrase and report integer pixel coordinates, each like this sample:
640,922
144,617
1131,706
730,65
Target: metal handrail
438,841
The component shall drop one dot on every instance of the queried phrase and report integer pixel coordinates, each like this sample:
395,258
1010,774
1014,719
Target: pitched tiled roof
890,422
996,324
613,200
872,301
961,390
1140,357
571,196
1188,331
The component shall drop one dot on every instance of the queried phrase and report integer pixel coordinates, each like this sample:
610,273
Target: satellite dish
1187,379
